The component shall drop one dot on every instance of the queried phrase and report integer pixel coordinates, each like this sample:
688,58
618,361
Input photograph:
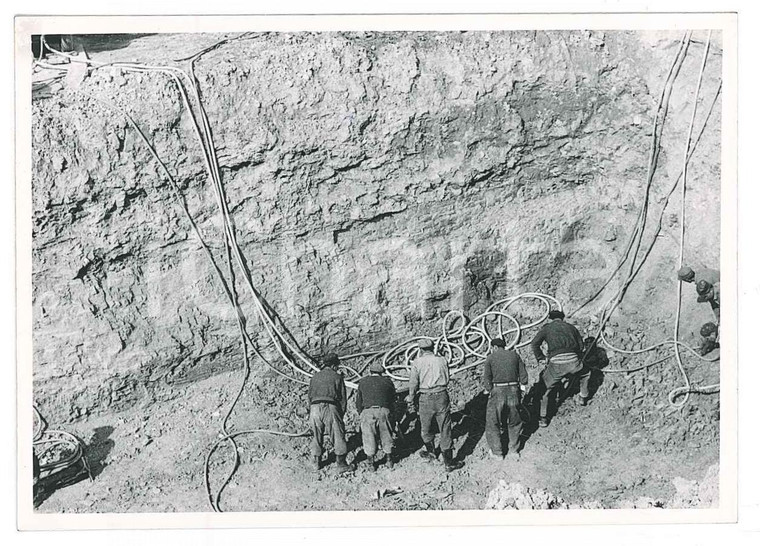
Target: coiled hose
51,443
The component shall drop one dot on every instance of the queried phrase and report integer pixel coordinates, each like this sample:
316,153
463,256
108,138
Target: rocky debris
697,494
386,492
641,502
689,494
515,496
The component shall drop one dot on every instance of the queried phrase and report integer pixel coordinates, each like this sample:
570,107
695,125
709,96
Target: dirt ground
151,460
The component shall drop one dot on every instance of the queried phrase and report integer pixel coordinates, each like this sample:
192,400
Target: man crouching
327,396
375,398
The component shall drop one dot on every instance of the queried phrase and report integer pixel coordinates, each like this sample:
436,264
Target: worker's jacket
560,338
375,391
708,345
327,386
712,296
502,367
429,374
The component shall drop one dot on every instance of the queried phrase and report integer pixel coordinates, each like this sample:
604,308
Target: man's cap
425,343
376,367
330,360
708,328
498,342
703,287
686,273
556,314
590,340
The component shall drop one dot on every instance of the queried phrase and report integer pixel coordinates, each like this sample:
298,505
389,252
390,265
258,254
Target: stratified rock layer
375,181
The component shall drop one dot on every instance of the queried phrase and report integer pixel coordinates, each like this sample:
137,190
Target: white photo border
27,26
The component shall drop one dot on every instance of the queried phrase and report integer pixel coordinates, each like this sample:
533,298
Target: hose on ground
51,443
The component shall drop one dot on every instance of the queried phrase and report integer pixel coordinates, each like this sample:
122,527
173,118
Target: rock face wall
376,180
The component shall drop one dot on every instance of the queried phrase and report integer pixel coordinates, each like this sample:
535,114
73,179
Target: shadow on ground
470,421
95,455
596,360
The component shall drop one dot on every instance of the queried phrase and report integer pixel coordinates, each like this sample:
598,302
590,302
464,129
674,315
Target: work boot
583,401
315,460
497,456
429,452
370,463
513,456
449,462
388,461
383,460
342,466
543,422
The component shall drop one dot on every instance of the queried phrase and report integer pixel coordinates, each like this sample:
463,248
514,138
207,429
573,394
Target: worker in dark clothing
709,333
375,400
429,375
565,348
327,396
702,277
710,293
504,380
593,357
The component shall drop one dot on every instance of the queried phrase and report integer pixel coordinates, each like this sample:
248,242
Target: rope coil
51,443
470,339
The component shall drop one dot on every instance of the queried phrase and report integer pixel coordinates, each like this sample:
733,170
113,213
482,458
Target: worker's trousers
584,378
559,367
375,423
502,411
436,407
716,310
326,420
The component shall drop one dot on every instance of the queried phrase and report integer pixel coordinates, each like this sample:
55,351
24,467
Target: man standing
565,348
710,293
375,398
430,376
327,396
504,376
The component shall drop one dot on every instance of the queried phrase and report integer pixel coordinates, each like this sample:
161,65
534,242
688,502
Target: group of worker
568,358
376,403
707,284
504,381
